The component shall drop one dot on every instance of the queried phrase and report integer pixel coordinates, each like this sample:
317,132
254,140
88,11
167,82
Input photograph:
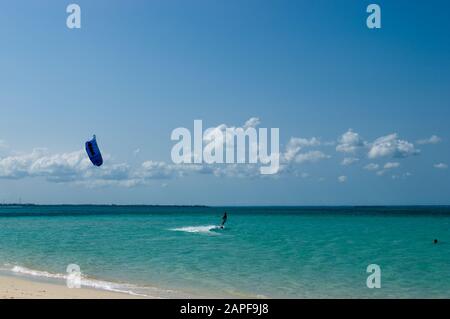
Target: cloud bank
75,167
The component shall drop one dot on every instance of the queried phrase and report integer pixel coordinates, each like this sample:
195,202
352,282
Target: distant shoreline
100,205
225,206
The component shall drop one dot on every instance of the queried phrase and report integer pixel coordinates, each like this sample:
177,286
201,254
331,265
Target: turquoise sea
273,252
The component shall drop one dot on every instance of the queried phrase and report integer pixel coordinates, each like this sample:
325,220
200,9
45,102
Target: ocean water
264,252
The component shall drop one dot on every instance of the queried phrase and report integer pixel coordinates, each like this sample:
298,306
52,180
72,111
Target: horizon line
236,206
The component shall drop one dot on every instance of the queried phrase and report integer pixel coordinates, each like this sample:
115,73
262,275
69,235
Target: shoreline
12,287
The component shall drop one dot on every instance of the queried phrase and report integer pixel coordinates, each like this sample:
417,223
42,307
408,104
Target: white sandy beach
19,288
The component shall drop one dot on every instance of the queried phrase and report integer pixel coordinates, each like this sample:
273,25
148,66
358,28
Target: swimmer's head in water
435,241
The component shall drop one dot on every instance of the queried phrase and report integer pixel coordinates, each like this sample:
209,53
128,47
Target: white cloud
220,136
371,167
75,167
388,166
296,144
237,171
252,122
38,163
159,170
349,142
304,142
311,156
349,161
391,165
431,140
441,166
342,179
391,145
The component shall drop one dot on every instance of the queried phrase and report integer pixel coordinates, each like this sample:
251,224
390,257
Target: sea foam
85,281
199,229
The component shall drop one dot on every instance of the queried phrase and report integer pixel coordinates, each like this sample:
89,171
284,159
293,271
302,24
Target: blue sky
137,70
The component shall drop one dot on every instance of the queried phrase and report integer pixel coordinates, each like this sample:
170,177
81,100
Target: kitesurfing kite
94,152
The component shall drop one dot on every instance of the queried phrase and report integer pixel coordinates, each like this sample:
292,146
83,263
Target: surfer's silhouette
224,219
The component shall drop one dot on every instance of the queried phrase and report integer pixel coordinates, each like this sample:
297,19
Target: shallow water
262,252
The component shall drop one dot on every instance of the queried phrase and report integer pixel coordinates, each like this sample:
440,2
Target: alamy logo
374,19
74,19
374,279
73,276
230,145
